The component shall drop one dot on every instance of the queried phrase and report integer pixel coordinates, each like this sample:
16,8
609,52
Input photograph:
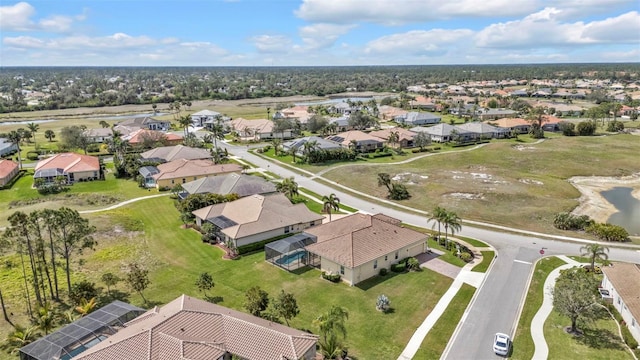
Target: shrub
466,257
82,290
32,155
608,232
568,221
586,128
335,278
382,303
413,264
628,338
93,148
383,271
399,267
615,126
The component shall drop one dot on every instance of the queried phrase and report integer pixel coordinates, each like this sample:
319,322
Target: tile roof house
99,135
418,118
519,125
7,147
146,122
73,167
189,328
260,129
256,218
622,281
203,117
485,130
359,245
386,112
405,137
442,133
142,137
364,142
424,103
492,114
322,144
241,184
8,170
298,112
182,171
177,152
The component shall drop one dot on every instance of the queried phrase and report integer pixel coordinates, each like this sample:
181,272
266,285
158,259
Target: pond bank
592,203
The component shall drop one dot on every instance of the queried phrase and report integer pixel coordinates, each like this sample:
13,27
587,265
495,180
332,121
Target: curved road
496,306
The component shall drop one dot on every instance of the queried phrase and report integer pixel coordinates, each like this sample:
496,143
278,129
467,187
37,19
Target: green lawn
434,344
319,197
472,242
487,257
176,256
523,343
448,256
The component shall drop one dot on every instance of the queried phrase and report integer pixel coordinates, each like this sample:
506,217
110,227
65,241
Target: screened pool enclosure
290,254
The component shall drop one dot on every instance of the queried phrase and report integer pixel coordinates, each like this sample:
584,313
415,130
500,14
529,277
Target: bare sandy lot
592,203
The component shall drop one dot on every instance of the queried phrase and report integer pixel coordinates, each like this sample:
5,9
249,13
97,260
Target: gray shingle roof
243,185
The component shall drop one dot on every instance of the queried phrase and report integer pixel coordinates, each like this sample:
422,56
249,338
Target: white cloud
17,17
544,28
115,41
407,11
271,43
318,36
575,9
418,42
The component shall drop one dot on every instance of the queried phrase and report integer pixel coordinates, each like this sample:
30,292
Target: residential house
405,137
341,123
442,133
342,108
177,152
73,167
240,184
150,138
182,171
146,122
256,218
98,135
299,113
321,144
190,328
622,282
514,125
493,114
423,103
386,112
360,141
418,118
519,93
8,170
200,118
486,131
359,245
7,147
550,123
256,130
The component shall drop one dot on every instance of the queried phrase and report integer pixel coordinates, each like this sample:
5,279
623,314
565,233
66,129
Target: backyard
150,232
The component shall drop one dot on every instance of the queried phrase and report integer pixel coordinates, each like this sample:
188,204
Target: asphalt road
497,303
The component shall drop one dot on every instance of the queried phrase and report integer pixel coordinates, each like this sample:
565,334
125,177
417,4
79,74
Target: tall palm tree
33,127
394,137
276,142
332,325
185,122
330,203
438,215
288,187
217,132
451,222
46,318
594,251
308,148
15,138
49,134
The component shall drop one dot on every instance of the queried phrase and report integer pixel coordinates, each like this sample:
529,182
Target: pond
334,101
7,123
628,215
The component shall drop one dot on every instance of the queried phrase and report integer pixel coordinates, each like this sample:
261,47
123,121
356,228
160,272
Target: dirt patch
595,205
465,196
531,182
523,147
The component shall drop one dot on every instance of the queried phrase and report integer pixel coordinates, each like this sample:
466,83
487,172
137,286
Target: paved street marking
522,262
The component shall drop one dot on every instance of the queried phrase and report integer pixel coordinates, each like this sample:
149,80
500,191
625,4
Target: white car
501,344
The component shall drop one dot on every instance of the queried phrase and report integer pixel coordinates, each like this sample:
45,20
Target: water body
25,122
628,215
334,101
88,117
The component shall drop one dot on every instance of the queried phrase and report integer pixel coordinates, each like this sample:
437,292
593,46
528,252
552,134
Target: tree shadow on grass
600,339
369,283
214,299
106,298
302,270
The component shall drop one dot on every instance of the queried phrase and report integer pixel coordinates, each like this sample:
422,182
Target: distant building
73,167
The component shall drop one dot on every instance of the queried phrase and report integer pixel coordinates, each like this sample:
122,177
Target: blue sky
316,32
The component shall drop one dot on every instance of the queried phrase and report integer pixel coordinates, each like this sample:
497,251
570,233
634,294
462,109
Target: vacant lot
513,184
150,232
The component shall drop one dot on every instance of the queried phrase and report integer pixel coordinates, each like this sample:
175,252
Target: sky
316,32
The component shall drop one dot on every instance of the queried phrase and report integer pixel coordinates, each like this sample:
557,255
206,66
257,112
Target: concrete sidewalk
464,276
537,324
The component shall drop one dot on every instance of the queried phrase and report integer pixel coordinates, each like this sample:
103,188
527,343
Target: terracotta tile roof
357,239
391,112
346,137
256,214
507,122
188,168
625,278
189,328
259,125
403,133
7,167
177,152
140,135
70,163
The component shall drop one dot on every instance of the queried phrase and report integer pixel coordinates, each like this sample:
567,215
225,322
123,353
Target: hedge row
331,277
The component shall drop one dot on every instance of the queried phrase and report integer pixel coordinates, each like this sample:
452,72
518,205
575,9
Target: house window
286,229
195,178
375,264
618,301
173,181
385,257
312,223
341,270
184,180
396,255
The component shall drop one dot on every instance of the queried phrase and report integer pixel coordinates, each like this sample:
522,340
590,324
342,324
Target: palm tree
185,122
308,148
86,306
49,134
394,137
104,124
332,324
594,251
33,127
46,318
19,337
451,222
276,145
15,137
217,132
288,187
438,215
330,203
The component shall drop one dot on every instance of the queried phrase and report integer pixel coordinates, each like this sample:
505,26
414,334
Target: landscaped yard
150,232
508,183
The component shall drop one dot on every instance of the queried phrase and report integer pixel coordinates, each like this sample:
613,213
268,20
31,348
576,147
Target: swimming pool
292,257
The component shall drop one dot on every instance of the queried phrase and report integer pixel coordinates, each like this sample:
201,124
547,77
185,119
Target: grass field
176,256
487,257
507,183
